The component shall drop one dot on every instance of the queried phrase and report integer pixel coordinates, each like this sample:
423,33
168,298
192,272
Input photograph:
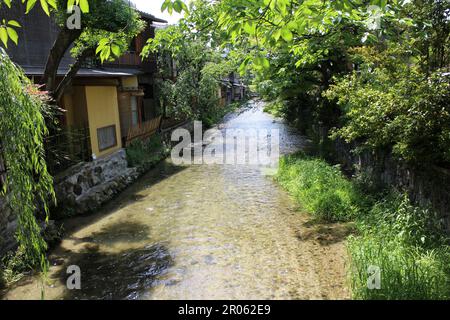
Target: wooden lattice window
107,137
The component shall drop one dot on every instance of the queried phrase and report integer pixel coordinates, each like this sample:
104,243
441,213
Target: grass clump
320,188
143,153
406,272
13,267
408,245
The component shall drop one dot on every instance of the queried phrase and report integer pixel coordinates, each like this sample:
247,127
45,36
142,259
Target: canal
199,232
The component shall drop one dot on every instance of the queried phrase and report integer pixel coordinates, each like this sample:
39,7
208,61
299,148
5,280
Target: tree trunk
67,80
62,43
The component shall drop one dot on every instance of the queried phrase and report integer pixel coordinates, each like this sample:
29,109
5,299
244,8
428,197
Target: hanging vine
28,186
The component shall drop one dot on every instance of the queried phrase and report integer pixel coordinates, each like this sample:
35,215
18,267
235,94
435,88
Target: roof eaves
151,17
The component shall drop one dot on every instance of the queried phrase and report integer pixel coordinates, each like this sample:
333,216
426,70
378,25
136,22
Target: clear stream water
190,232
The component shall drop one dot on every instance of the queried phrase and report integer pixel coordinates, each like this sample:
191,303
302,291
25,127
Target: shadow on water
326,233
116,276
117,233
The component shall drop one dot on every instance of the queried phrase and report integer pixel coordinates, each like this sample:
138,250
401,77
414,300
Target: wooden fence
171,123
67,148
143,131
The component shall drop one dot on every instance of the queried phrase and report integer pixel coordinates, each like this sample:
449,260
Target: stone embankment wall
87,186
82,189
426,186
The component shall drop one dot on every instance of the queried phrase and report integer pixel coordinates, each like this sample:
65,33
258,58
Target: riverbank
396,250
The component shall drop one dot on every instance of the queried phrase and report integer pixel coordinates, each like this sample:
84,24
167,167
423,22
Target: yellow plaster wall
103,111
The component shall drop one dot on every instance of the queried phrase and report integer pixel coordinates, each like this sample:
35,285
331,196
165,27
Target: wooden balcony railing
128,59
133,59
171,123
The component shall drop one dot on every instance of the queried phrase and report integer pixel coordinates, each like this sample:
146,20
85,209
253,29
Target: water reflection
121,275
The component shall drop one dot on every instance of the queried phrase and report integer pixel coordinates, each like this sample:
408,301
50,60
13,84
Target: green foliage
395,217
194,90
109,45
146,153
388,104
287,26
181,95
7,31
277,108
83,4
408,244
174,5
321,189
267,90
108,28
109,25
22,130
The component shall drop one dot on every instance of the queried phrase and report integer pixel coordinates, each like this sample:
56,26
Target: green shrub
268,90
145,152
395,105
320,188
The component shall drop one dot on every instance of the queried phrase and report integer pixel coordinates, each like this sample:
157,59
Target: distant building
232,89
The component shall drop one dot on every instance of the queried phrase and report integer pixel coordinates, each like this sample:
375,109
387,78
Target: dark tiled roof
36,36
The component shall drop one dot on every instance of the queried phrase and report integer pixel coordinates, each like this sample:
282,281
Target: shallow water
191,232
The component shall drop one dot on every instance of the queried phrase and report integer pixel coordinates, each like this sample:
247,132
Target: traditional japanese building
106,104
